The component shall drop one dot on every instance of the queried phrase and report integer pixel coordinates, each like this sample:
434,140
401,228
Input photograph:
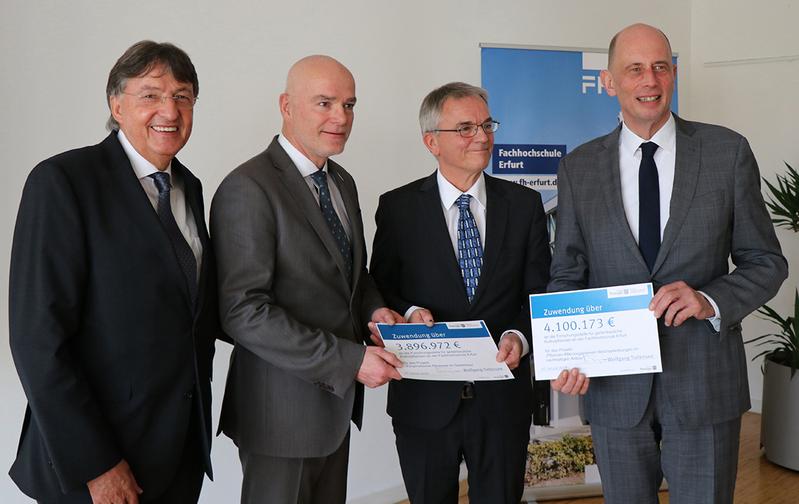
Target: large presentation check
604,332
462,351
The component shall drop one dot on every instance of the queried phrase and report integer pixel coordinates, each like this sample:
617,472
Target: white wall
756,98
55,57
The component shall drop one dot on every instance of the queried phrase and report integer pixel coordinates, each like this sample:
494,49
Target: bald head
632,33
313,67
318,107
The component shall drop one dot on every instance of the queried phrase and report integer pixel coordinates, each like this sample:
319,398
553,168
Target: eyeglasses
470,130
153,100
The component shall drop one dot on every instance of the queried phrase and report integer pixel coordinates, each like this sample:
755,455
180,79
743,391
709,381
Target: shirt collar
665,137
303,164
449,193
141,167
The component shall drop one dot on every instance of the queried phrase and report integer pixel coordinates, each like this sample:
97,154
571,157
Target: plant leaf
784,345
783,201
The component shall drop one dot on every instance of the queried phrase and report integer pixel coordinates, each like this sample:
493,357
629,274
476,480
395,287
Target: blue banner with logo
548,101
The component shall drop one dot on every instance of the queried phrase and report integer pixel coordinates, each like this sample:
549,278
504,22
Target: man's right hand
378,367
115,486
570,382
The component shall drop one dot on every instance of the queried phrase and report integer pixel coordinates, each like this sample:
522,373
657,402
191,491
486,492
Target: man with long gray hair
113,312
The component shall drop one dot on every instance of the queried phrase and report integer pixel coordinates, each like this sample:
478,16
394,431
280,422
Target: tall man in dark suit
667,201
420,261
296,297
113,308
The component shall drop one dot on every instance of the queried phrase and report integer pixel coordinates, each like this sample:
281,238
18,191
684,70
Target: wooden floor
759,481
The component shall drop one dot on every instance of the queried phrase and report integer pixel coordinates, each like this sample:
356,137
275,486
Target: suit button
189,394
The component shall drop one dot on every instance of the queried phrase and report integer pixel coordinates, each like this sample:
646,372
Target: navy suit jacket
111,353
414,263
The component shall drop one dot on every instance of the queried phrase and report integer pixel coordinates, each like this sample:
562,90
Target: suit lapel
610,184
193,193
686,174
497,208
299,191
141,212
352,208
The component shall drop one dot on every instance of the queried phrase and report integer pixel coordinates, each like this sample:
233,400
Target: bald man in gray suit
667,201
296,297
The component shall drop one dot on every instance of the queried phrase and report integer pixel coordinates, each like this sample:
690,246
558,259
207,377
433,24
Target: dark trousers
699,463
284,480
495,456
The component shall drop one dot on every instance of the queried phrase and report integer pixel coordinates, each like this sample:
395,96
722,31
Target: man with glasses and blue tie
461,245
113,311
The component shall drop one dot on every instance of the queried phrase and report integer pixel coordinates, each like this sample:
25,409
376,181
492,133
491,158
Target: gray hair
433,103
142,57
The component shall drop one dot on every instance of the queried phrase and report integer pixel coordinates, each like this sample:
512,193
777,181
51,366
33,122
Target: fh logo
593,63
592,81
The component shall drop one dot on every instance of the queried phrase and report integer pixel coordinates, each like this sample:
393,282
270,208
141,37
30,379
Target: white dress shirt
177,197
449,203
665,159
449,195
629,162
307,168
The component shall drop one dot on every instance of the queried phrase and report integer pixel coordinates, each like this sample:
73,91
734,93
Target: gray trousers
281,480
699,463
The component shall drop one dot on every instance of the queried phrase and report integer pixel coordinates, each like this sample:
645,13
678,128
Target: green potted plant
779,428
784,345
784,200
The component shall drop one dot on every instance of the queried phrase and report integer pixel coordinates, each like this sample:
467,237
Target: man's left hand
510,350
383,316
677,302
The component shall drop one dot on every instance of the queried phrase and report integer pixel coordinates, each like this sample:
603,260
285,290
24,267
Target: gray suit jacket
297,324
717,214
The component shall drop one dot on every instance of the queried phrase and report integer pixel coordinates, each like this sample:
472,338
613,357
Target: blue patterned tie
331,217
648,205
186,259
470,250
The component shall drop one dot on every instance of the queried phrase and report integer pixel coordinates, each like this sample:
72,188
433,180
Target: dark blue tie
331,217
470,250
648,205
182,250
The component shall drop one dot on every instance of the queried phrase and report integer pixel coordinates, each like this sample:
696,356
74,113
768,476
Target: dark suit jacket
716,214
299,326
110,352
413,263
